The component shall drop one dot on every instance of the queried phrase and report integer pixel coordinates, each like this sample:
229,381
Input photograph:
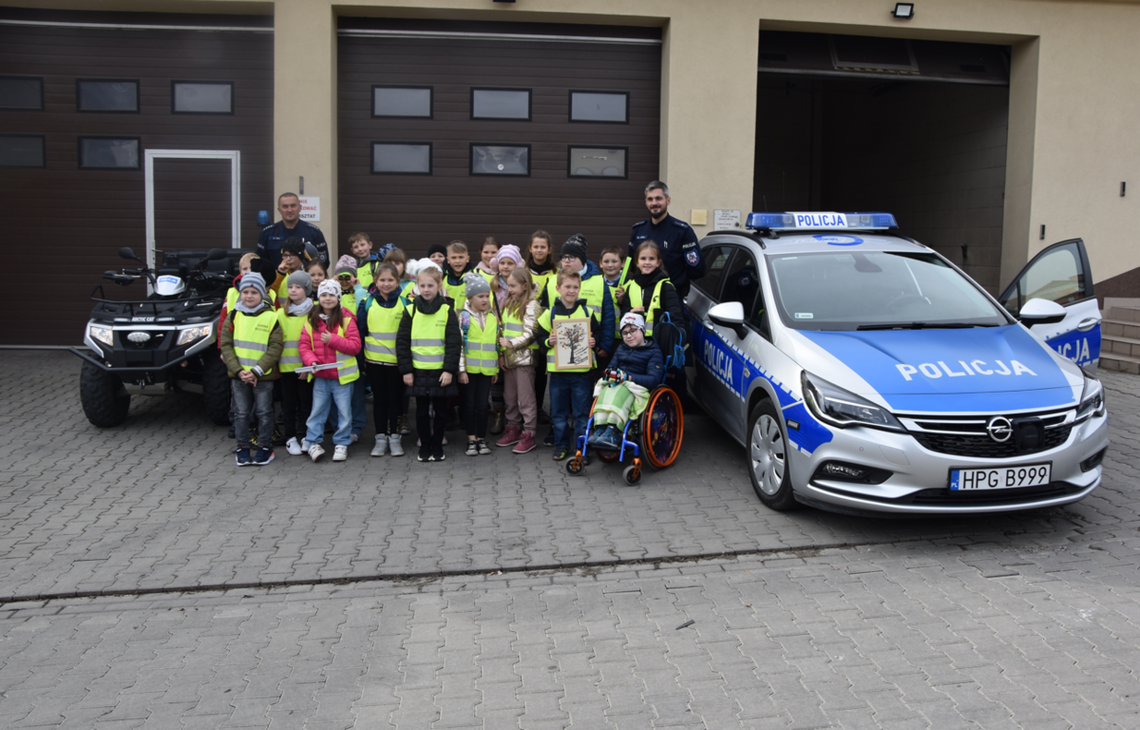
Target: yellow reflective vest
291,332
429,337
544,321
480,346
251,337
346,368
636,300
383,324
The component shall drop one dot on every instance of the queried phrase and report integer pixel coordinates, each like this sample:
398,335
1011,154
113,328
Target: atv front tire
105,400
215,388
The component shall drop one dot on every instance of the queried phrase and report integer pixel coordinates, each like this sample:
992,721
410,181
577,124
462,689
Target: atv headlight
1092,400
102,334
836,406
193,334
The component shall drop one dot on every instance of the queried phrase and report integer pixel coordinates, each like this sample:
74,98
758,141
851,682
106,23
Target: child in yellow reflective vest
569,386
518,355
379,321
479,360
296,391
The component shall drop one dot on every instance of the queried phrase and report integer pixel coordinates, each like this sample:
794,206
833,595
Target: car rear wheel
768,458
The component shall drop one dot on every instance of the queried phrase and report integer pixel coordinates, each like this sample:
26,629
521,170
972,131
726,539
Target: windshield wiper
921,326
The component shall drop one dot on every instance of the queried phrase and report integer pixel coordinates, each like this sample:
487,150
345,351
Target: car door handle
1088,324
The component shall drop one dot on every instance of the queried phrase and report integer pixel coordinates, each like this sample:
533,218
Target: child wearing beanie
296,392
479,360
636,369
251,347
352,295
329,337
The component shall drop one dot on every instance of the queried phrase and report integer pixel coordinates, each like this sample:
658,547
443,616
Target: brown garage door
82,97
478,130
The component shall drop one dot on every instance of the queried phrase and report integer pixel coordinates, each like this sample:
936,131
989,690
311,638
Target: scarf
249,310
299,310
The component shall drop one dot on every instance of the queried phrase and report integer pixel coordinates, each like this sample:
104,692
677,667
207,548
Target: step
1116,345
1124,314
1120,328
1120,363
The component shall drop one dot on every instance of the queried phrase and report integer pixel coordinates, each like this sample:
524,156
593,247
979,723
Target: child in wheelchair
636,369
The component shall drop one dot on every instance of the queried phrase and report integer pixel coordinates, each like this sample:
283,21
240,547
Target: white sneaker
316,452
293,447
340,453
381,446
306,445
355,437
395,446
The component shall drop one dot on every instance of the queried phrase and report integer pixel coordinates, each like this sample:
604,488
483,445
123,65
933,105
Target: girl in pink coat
330,338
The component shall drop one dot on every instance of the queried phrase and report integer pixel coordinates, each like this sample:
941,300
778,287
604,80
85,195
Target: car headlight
192,334
834,405
102,334
1092,400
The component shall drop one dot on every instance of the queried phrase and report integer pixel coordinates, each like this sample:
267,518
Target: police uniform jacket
273,235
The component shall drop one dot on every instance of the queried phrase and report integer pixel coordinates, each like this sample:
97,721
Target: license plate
1006,477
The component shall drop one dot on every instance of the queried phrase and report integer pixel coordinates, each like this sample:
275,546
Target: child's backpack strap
671,339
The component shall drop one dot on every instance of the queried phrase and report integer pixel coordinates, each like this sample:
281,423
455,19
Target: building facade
990,128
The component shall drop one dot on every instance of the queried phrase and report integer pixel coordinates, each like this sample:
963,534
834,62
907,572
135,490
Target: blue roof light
821,221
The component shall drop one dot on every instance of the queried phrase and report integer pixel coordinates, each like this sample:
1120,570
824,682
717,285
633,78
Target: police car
864,372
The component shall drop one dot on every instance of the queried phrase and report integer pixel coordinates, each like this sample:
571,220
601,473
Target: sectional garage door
472,131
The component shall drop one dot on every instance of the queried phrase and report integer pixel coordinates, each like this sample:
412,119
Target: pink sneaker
510,436
525,444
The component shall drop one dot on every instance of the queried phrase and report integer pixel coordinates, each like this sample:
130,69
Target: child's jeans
569,407
325,393
258,399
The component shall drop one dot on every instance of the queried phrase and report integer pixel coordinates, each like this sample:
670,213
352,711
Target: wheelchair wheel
632,474
575,466
662,427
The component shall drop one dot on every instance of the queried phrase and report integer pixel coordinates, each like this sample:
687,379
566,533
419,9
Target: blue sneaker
263,456
241,456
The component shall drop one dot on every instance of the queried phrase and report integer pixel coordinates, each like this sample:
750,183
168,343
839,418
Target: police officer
290,225
677,241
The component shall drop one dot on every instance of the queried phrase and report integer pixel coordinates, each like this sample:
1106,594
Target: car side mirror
1041,311
126,252
729,314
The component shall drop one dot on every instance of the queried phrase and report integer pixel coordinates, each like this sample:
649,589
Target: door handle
1088,324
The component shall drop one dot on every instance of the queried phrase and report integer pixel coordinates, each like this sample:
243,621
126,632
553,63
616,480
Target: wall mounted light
903,11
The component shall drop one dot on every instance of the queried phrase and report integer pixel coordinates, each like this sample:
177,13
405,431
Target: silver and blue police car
863,372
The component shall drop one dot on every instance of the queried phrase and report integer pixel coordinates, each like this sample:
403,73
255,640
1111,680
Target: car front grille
967,435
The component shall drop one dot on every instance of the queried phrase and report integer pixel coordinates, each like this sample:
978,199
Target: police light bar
818,220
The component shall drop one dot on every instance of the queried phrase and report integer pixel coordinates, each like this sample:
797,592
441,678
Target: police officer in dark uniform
290,226
677,241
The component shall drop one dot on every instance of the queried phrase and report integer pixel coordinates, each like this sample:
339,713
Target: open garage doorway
915,128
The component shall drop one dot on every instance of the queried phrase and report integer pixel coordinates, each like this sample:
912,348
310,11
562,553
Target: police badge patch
693,257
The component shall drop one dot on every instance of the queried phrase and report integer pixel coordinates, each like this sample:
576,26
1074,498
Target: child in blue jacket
636,369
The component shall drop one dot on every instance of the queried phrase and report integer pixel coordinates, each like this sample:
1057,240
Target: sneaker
241,456
560,453
340,453
354,438
439,456
472,448
381,446
316,452
525,444
424,456
394,445
293,447
404,429
305,445
263,456
510,436
549,440
483,448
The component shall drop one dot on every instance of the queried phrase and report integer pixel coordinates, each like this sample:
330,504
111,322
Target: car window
742,284
1056,276
716,257
849,290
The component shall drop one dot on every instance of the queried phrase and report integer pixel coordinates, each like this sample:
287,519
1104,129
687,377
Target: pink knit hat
510,251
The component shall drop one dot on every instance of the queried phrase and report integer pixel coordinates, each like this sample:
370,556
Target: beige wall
1073,99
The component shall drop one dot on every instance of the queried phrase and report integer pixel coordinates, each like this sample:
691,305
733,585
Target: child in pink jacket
330,337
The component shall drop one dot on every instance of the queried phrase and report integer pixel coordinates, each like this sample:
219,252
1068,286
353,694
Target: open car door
1061,274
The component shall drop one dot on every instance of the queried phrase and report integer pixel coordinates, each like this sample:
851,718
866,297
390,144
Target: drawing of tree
575,335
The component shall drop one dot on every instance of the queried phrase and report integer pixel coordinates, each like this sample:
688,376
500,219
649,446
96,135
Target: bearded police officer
677,241
290,226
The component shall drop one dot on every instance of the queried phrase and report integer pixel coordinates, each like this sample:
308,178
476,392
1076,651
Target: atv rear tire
215,388
105,400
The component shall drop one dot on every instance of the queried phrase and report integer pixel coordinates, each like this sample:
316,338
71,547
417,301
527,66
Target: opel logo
999,428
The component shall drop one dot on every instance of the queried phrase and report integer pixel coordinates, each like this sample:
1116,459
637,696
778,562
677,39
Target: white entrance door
234,157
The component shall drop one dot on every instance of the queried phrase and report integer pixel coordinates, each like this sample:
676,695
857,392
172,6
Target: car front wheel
768,458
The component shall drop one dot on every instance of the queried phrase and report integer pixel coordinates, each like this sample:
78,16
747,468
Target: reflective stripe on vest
291,331
545,320
383,324
346,367
480,348
251,337
429,337
636,300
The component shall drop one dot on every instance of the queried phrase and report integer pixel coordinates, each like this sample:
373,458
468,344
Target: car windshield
846,290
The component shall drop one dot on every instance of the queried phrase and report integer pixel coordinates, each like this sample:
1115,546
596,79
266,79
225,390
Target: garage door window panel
22,150
202,97
401,158
502,160
503,104
109,153
22,92
598,162
606,107
402,102
107,95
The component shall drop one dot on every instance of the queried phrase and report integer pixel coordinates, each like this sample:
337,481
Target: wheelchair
655,435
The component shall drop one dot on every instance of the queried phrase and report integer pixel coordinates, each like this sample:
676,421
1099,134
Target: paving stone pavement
1021,621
